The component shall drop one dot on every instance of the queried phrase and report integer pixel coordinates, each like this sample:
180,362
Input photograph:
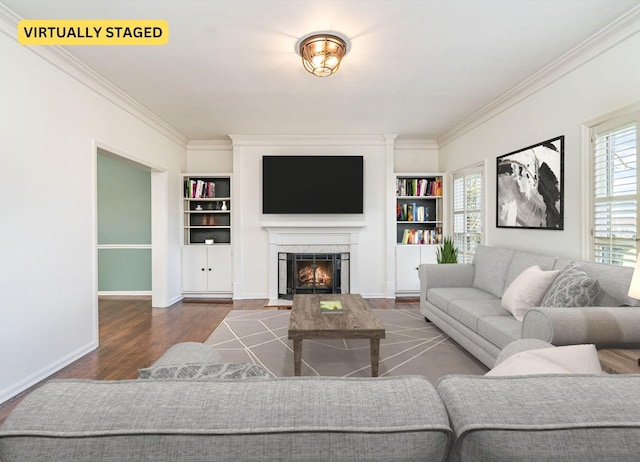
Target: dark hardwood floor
134,335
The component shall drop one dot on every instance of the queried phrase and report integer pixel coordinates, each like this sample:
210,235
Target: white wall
415,156
605,83
251,240
209,156
50,126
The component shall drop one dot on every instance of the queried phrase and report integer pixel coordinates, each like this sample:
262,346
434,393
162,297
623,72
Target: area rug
411,347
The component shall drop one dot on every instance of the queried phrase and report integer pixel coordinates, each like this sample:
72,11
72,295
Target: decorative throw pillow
204,370
571,359
527,290
572,287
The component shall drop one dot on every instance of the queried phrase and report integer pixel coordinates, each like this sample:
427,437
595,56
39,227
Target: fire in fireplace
318,274
304,273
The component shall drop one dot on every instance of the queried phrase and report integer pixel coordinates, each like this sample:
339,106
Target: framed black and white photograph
530,187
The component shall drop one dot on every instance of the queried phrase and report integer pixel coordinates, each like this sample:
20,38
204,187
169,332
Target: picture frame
530,187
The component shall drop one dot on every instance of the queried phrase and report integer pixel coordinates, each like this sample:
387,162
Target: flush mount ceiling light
322,52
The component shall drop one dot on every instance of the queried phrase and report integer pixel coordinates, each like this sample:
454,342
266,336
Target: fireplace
312,273
313,238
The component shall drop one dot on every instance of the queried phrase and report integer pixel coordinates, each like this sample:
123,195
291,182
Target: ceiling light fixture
322,53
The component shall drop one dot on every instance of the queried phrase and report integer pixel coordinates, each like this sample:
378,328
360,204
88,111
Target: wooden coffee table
356,321
618,361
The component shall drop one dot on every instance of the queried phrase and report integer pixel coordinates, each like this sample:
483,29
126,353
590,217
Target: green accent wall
122,270
124,202
124,218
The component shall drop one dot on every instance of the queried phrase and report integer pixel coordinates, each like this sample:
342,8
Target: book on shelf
331,307
418,187
405,237
421,236
200,189
412,212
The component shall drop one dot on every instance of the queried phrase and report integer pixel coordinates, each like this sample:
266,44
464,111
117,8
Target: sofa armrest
521,345
188,353
445,275
543,417
602,326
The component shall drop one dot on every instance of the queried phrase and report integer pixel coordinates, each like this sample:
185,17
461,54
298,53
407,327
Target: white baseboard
126,293
174,300
280,302
223,296
42,374
378,295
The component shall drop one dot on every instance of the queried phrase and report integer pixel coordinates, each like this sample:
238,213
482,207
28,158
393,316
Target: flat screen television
312,184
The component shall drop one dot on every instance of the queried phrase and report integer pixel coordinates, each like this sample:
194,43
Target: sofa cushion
572,287
523,260
204,370
441,296
282,419
570,359
534,418
527,290
500,330
491,265
469,311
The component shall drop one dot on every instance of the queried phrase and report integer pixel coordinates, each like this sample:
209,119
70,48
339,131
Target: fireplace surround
312,273
315,238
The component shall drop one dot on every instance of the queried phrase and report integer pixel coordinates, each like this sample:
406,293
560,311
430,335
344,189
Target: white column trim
237,241
390,207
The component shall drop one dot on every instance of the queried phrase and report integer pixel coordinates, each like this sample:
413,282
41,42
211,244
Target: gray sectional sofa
464,300
199,415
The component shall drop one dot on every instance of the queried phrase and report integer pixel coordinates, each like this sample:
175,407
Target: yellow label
93,32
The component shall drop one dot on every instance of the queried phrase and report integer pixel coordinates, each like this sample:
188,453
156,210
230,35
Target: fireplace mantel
313,237
279,226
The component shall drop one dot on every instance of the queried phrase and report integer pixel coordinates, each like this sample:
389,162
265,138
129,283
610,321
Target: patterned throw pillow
572,287
204,371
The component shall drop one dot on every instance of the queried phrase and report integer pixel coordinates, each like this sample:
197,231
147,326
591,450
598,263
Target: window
467,212
615,191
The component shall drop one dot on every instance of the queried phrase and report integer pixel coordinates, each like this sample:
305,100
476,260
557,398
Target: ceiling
415,68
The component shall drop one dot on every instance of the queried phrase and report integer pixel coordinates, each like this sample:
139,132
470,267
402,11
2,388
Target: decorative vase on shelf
208,241
224,205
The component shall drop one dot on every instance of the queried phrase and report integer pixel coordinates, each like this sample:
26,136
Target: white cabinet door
407,262
408,258
194,269
219,268
206,269
428,254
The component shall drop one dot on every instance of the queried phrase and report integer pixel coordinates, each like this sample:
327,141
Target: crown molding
405,144
9,22
418,145
310,140
72,66
619,30
208,145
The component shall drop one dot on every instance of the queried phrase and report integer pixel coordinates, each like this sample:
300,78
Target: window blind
615,189
467,213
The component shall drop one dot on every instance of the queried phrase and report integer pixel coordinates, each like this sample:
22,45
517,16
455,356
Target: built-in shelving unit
207,209
419,209
419,222
207,228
